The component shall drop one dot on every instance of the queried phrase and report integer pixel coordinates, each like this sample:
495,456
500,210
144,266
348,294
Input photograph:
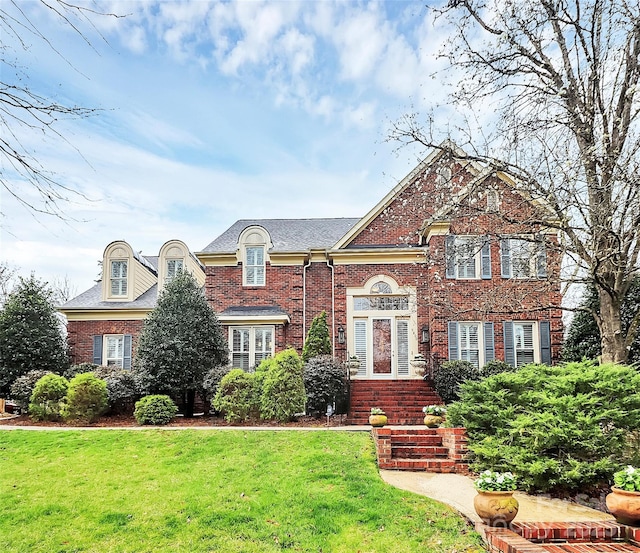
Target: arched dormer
254,243
125,275
174,257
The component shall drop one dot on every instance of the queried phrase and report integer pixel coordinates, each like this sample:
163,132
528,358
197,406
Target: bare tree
562,77
8,279
23,109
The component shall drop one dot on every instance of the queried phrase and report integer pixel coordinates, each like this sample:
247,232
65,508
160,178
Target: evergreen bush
86,399
122,388
81,368
450,375
496,366
325,382
30,334
318,340
557,428
236,397
23,386
283,393
212,380
156,409
48,397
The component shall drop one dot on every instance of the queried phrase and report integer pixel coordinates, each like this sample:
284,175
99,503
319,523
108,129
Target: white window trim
112,278
480,345
105,350
532,259
535,336
168,277
245,265
477,256
252,341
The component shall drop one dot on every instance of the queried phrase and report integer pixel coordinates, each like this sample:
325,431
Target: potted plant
434,415
377,417
495,503
624,500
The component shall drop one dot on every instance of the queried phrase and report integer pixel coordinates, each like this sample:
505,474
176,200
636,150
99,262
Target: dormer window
254,267
174,266
253,245
118,278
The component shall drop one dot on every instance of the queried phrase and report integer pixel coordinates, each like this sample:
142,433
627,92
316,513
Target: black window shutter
450,255
485,257
509,347
545,342
489,343
126,361
97,350
453,341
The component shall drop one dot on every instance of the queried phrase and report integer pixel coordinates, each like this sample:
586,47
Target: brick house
453,263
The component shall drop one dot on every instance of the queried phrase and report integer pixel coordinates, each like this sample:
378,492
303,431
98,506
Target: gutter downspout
304,297
333,304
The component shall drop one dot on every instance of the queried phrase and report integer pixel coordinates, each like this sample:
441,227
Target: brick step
431,465
415,440
418,452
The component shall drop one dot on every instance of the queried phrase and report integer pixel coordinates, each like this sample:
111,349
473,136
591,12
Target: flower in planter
627,479
377,411
490,481
436,410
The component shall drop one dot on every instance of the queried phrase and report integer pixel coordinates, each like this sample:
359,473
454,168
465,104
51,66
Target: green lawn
214,491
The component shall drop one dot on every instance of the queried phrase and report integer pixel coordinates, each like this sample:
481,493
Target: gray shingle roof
253,311
287,235
92,299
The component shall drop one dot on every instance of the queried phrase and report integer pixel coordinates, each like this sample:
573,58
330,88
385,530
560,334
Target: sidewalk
458,492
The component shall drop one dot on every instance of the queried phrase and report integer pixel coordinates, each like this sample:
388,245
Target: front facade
454,263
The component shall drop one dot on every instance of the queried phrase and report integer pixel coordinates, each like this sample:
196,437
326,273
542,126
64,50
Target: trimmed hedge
558,428
86,398
155,409
48,397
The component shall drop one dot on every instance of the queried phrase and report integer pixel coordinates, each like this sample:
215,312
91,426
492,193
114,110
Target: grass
210,491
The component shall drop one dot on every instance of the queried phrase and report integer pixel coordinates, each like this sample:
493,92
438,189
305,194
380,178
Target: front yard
210,491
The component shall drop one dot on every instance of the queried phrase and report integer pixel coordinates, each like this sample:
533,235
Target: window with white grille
523,342
174,266
113,350
249,345
254,266
118,278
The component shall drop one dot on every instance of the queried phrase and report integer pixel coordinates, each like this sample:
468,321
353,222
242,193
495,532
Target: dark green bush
122,388
318,340
325,382
82,368
212,380
23,386
450,375
495,367
562,427
283,393
48,396
86,398
155,409
236,397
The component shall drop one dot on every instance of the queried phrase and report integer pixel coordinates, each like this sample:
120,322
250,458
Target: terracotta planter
377,420
625,506
496,508
432,421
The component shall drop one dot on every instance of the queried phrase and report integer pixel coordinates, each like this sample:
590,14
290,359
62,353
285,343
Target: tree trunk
190,400
611,335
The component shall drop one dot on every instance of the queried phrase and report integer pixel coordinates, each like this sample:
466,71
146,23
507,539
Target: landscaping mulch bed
179,421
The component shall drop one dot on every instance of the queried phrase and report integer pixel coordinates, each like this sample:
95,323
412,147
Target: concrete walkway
458,492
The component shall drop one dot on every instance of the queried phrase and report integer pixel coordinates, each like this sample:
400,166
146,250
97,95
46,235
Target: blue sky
217,111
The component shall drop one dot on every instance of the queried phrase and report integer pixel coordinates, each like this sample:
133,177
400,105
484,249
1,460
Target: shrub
155,409
325,382
23,386
86,398
48,396
212,380
496,366
318,341
283,392
236,398
82,368
562,427
450,375
122,388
